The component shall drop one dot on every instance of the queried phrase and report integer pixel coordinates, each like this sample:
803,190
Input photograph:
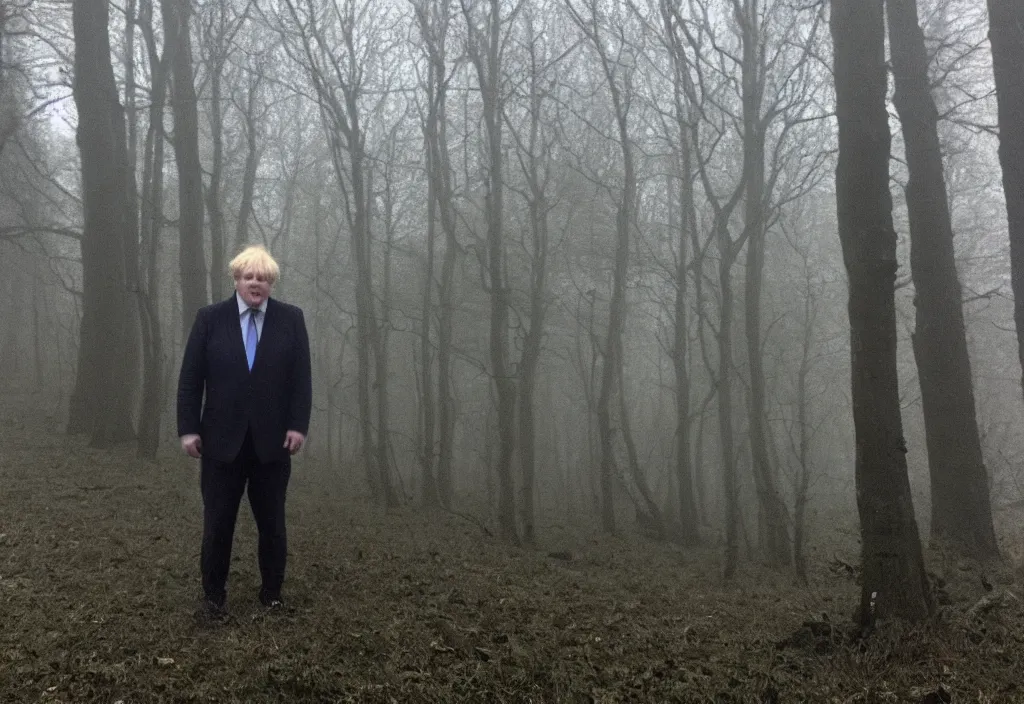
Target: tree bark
101,401
1006,33
219,28
252,164
191,250
437,416
485,53
427,414
368,331
777,543
961,506
650,518
535,166
803,443
151,226
728,250
218,261
689,531
894,583
624,222
38,359
382,369
445,335
727,255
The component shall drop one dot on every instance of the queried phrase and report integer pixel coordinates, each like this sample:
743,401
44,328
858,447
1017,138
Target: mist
573,286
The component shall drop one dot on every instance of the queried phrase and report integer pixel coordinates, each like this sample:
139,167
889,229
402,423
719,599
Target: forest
662,350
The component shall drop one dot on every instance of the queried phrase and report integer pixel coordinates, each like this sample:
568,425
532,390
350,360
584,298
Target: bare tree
333,48
894,583
701,94
766,47
434,23
961,509
485,44
617,70
101,401
759,111
191,252
219,24
151,224
683,216
1006,32
802,428
535,161
246,98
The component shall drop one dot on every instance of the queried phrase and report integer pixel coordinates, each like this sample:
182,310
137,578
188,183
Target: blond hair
256,259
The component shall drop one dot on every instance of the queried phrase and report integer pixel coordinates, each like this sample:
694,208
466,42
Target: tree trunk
365,312
252,164
218,261
445,384
152,221
777,543
445,324
803,484
101,401
894,583
649,516
776,539
433,20
725,428
382,367
336,78
427,415
588,377
38,362
191,251
485,53
534,165
624,221
530,359
1006,33
368,330
961,507
728,250
133,264
689,531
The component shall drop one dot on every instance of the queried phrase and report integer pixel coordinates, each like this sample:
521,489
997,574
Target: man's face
253,288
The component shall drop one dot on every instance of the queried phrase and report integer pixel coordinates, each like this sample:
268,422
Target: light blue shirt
243,317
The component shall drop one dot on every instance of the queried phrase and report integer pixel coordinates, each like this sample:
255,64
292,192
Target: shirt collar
243,306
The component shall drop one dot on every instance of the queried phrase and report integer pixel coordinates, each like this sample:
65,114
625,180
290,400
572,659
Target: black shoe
270,598
273,608
272,603
211,613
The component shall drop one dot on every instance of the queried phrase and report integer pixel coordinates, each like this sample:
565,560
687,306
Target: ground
98,585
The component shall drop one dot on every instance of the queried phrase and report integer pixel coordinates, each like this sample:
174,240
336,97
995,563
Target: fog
565,266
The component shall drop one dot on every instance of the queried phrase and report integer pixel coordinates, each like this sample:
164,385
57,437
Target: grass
98,584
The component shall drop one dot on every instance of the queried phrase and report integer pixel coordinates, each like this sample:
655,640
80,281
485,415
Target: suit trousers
222,485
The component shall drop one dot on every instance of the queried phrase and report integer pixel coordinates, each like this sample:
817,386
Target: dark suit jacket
275,397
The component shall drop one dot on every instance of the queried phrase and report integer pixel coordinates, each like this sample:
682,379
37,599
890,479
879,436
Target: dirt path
98,582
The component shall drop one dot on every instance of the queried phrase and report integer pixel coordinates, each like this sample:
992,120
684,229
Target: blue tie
251,337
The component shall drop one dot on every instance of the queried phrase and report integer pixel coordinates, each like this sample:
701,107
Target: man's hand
293,440
192,445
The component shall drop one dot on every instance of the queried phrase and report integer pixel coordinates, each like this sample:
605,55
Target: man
250,355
